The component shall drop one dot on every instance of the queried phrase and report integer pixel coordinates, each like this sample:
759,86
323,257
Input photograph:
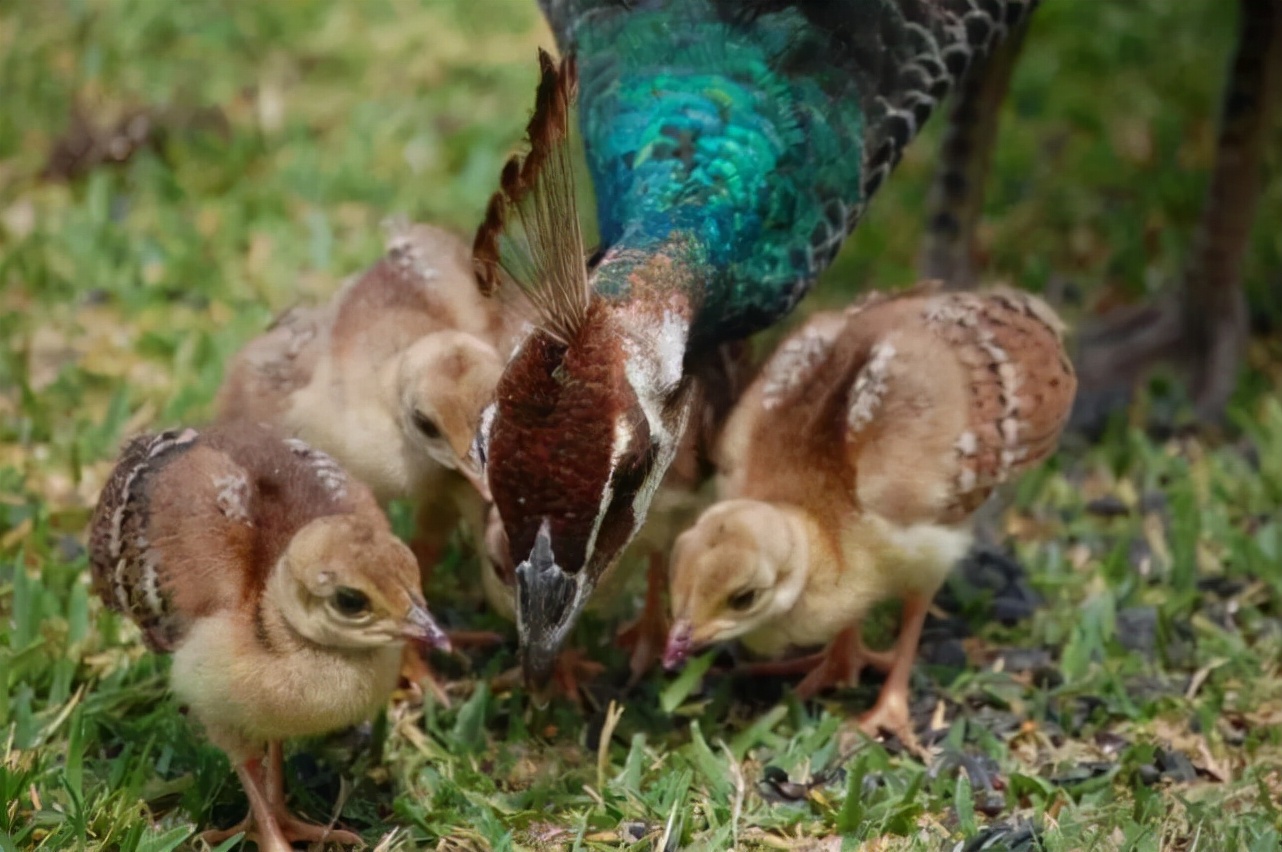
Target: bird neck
806,540
652,265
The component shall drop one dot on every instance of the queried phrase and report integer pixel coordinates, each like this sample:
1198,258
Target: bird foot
840,664
646,636
1121,349
1115,352
572,669
419,678
891,715
281,833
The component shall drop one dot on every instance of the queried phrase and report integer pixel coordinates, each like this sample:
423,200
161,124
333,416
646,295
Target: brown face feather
552,439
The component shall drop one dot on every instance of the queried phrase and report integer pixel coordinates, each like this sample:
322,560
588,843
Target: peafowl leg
646,635
950,247
1203,328
572,669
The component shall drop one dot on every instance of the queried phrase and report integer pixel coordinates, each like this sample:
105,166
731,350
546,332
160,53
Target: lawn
1106,675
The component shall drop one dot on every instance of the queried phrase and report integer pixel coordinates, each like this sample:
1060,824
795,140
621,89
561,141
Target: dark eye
427,426
350,602
741,601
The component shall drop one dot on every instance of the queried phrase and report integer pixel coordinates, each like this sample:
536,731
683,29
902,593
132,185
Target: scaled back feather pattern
732,147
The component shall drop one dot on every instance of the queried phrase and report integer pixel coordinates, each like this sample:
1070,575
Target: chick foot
891,712
840,664
645,636
419,677
269,823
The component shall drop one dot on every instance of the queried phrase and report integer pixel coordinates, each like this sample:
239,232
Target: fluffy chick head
740,566
446,380
346,581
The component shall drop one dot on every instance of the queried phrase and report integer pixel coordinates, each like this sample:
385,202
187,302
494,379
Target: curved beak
680,644
421,627
549,601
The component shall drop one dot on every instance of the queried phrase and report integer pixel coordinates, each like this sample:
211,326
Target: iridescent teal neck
693,130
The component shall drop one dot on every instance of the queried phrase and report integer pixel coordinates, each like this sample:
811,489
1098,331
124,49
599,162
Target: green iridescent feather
755,131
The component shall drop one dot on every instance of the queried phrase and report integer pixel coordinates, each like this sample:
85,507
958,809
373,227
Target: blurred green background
174,174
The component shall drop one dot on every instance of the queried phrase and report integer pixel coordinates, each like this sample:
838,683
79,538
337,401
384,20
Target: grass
1138,705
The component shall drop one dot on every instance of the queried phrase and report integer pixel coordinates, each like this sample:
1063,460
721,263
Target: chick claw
269,823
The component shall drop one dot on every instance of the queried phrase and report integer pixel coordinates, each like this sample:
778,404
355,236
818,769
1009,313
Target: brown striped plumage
852,465
276,583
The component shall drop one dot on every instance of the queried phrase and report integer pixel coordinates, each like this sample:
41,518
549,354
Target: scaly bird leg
950,246
269,823
890,713
647,634
1204,329
837,665
290,826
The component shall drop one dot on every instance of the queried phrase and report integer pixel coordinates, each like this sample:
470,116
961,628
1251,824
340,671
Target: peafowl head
592,404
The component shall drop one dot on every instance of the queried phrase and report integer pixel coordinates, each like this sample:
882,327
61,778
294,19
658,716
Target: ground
1106,677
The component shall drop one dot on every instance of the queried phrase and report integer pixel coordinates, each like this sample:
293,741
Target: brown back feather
531,229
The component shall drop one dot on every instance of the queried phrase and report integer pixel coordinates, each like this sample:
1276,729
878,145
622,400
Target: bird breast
228,678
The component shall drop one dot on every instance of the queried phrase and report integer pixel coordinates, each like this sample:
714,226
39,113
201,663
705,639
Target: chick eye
741,601
426,425
350,602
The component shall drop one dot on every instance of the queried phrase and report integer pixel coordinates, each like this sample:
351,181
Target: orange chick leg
646,635
269,823
417,672
837,665
890,713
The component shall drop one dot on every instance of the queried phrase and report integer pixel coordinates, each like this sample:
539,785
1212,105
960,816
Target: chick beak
473,473
680,644
421,627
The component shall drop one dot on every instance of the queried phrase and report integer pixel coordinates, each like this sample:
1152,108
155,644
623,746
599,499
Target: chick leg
259,825
646,634
890,713
294,829
418,674
837,665
841,662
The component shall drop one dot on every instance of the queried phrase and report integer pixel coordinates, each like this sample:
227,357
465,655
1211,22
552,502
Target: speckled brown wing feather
191,523
955,394
124,565
271,367
1021,381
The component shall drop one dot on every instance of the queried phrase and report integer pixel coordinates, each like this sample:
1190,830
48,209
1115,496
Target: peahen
732,147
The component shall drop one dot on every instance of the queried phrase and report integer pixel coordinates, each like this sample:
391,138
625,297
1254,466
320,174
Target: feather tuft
531,231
